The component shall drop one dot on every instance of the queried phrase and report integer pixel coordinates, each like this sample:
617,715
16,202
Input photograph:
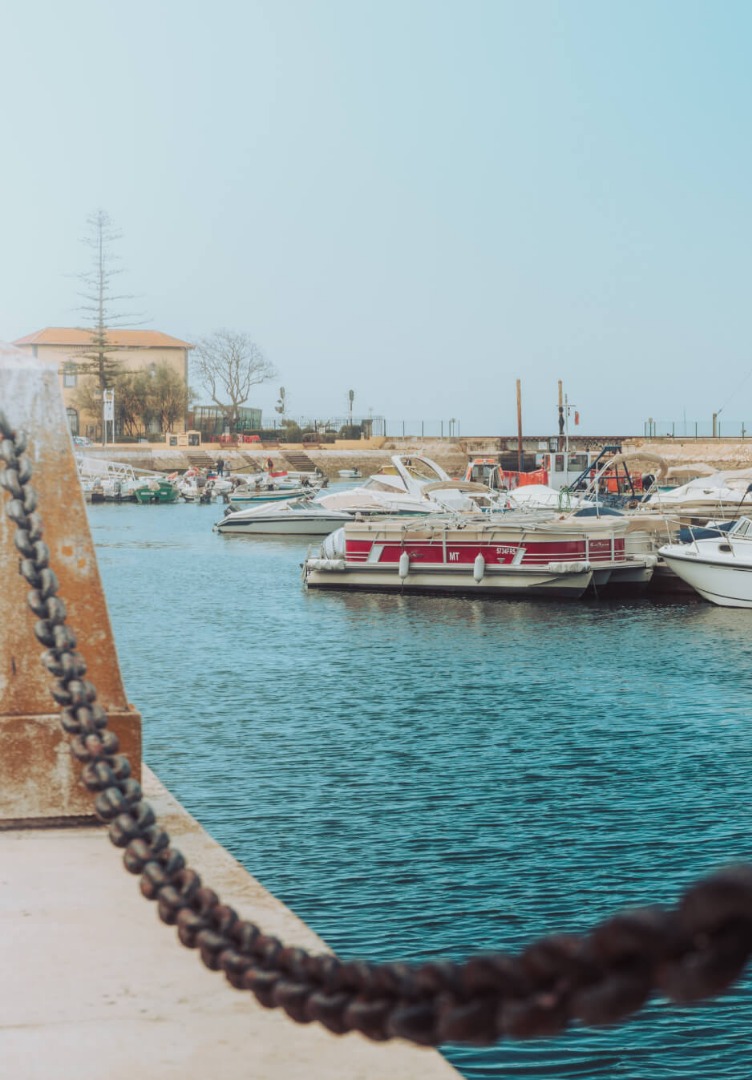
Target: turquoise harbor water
431,777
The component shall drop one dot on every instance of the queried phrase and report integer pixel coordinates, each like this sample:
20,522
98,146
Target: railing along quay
687,954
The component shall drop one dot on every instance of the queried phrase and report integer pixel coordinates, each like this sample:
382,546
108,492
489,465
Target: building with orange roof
135,350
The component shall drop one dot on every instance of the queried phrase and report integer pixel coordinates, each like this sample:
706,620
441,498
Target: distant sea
427,777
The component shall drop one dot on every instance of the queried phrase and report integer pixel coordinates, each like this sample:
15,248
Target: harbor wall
451,454
720,453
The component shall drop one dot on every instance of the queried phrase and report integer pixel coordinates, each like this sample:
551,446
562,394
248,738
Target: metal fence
380,426
717,428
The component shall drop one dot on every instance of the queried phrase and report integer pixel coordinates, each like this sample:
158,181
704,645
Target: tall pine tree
100,300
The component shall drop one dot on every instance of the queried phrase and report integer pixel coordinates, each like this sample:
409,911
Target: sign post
108,414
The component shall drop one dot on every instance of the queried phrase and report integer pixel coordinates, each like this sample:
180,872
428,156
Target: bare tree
100,300
229,365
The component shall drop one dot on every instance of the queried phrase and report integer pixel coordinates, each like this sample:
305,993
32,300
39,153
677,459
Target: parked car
81,440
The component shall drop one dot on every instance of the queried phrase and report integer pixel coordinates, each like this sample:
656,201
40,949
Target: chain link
688,953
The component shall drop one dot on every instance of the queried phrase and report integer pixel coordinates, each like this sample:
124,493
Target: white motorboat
718,567
725,494
414,485
544,497
199,488
258,496
294,517
372,503
274,487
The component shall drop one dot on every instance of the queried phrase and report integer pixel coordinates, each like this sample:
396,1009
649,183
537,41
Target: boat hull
165,493
502,581
513,556
256,498
726,582
289,526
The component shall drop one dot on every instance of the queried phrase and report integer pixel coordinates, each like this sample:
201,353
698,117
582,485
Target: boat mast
519,426
566,425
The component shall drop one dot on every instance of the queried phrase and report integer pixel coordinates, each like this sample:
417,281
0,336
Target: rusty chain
688,953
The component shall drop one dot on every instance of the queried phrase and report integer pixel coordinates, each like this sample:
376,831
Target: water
432,777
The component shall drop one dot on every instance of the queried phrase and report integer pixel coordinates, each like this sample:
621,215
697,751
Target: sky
423,201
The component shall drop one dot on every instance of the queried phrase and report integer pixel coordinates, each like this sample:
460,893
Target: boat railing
95,469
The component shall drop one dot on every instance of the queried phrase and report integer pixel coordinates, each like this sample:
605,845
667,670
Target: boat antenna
734,393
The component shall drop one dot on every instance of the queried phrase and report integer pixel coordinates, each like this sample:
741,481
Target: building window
70,376
72,421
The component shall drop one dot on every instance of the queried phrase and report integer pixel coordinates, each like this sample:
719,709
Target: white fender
479,567
404,565
325,564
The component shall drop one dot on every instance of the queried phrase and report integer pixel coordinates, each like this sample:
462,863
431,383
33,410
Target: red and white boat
503,554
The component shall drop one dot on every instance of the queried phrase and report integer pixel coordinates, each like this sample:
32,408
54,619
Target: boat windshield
742,528
421,470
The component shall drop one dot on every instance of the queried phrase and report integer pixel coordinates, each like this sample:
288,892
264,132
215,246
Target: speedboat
725,494
368,502
411,485
717,566
294,517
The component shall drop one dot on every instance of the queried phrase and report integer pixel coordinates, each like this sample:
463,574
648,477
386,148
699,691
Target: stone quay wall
451,454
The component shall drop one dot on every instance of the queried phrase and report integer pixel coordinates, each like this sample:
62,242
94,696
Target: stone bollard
38,776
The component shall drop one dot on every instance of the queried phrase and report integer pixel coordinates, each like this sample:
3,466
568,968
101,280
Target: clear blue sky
420,200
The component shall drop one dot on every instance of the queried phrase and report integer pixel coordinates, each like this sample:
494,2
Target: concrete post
38,776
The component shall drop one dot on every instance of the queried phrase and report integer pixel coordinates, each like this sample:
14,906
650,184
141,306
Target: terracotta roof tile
125,339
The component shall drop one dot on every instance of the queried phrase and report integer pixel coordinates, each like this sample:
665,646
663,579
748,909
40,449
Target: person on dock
220,467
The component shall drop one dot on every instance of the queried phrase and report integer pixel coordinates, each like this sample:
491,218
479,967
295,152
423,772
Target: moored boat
718,567
156,491
504,555
294,517
725,494
251,496
274,487
369,502
111,481
202,486
412,484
